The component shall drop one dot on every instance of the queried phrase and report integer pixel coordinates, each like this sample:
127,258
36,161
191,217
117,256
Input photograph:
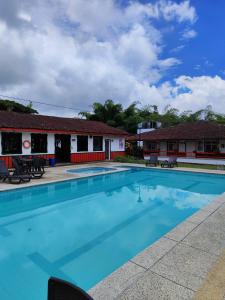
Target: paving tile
221,210
212,206
185,265
216,221
220,199
199,216
152,286
213,286
152,254
114,284
210,235
180,231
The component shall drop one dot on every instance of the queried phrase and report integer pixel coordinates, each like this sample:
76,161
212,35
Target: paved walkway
214,284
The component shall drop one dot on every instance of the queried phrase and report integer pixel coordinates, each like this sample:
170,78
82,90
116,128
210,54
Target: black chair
153,161
14,177
37,168
19,166
59,289
170,163
21,169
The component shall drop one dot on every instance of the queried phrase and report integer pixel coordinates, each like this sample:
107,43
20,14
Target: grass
134,160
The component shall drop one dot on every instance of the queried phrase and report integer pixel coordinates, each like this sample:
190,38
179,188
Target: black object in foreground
59,289
14,177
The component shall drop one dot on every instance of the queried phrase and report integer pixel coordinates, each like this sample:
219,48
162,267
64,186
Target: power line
42,103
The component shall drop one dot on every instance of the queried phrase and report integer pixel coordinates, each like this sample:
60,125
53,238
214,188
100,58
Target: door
62,148
107,149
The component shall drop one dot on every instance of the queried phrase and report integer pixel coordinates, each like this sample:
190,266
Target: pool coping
72,176
127,278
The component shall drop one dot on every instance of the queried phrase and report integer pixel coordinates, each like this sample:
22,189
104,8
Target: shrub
128,159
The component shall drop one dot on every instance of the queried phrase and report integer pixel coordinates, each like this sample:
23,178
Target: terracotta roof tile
184,131
49,123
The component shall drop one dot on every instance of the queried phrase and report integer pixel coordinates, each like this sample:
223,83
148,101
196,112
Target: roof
20,121
184,131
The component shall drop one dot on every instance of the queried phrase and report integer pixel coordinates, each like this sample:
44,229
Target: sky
74,52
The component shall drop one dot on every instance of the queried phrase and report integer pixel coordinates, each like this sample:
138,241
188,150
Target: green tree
107,112
128,119
9,105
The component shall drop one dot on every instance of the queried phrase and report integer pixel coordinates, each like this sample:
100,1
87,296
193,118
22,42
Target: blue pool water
91,170
82,230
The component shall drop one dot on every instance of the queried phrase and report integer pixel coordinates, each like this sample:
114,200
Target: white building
65,139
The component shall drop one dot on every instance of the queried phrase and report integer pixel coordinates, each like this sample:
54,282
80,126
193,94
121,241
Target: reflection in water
139,194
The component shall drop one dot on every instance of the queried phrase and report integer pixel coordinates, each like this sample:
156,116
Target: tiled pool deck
188,259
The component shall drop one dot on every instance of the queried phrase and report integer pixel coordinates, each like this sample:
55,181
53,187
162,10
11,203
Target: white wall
73,143
90,144
26,136
117,144
51,143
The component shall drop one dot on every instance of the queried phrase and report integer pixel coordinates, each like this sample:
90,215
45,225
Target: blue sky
74,52
203,55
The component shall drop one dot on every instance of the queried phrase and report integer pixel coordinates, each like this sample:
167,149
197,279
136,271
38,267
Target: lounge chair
62,290
14,177
19,169
170,163
153,161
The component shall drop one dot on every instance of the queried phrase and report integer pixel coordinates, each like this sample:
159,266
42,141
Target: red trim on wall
117,153
215,155
8,159
93,156
75,157
85,157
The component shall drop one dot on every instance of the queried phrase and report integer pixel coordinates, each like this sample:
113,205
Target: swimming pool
91,170
69,229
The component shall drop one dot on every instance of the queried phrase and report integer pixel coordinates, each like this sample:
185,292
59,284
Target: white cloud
189,34
195,92
177,49
182,11
74,52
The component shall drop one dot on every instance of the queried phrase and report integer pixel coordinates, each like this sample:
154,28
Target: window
172,146
38,143
211,146
149,146
97,143
82,143
11,143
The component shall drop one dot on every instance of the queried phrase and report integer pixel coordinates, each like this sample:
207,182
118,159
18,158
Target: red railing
217,155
